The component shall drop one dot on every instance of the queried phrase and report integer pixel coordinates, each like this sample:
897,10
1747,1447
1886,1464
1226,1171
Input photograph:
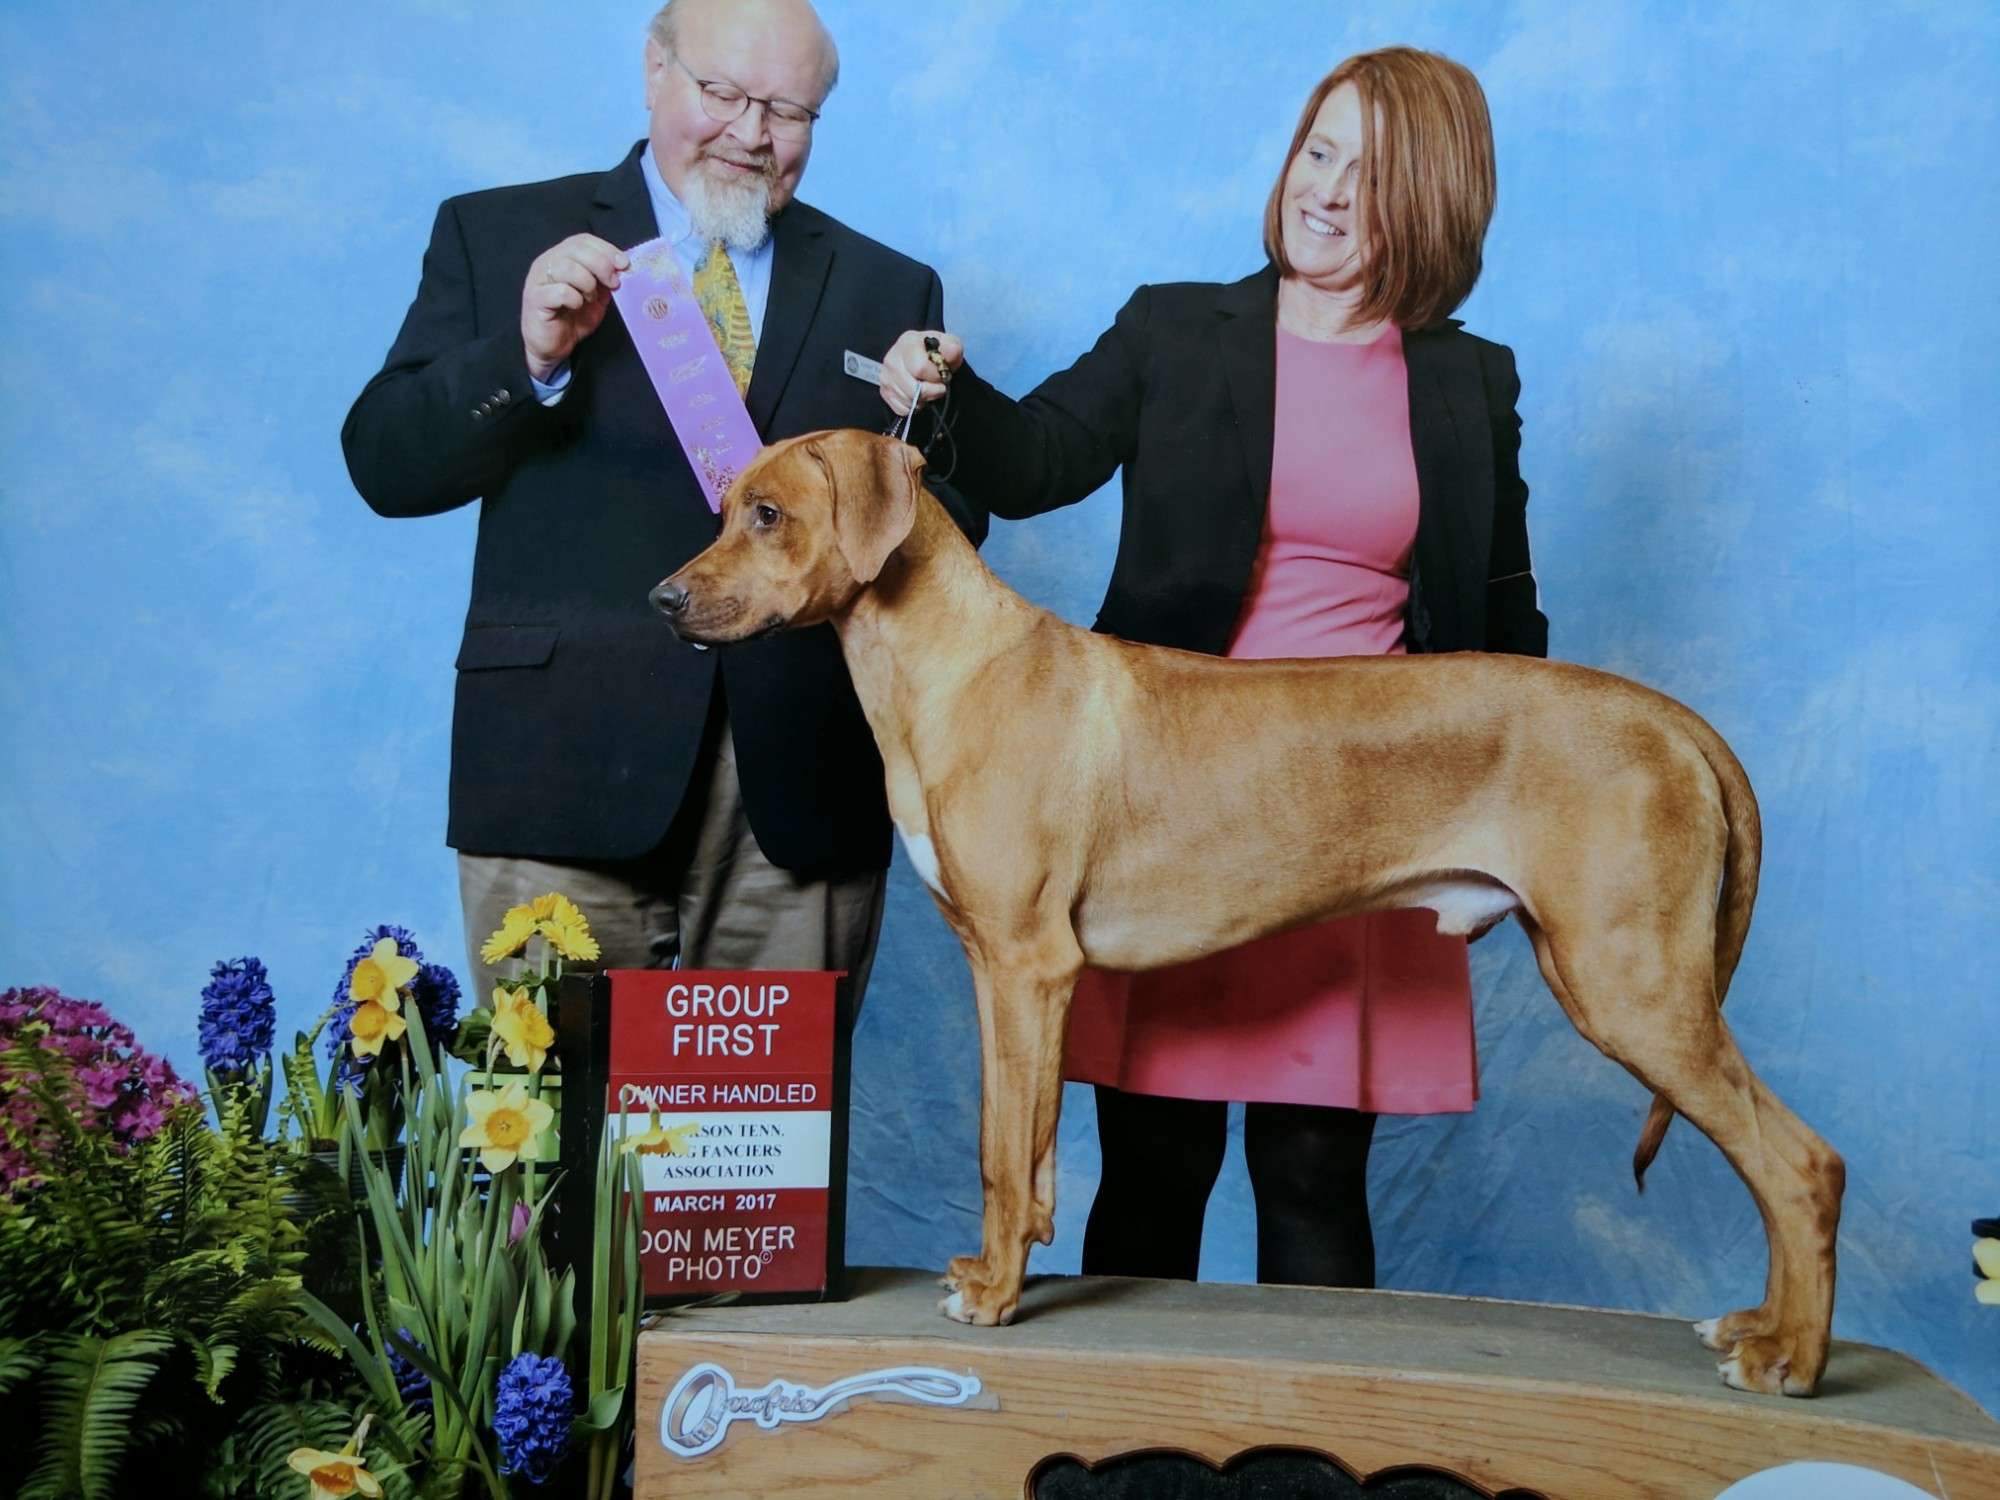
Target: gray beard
738,214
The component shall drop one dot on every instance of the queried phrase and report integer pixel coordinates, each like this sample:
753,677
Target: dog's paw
977,1301
959,1270
1762,1365
1723,1334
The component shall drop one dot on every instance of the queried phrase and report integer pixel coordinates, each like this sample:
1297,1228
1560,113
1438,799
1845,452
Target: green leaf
605,1409
213,1362
92,1386
18,1361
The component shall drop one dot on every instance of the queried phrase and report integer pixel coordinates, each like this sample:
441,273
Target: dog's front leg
1023,991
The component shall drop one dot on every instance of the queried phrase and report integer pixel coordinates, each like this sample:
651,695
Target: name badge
861,367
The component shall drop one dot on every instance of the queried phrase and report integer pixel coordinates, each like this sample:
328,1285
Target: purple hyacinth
412,1384
532,1410
435,989
238,1016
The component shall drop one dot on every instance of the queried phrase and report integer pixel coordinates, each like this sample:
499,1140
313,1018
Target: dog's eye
764,515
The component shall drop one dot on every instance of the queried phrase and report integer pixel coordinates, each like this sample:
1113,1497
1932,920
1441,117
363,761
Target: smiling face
1324,228
771,49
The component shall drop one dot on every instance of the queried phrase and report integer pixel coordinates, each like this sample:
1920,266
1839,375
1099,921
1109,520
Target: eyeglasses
726,102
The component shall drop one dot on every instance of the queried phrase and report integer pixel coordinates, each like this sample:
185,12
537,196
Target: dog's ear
873,483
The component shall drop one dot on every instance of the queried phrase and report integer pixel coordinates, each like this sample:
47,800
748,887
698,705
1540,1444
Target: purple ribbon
685,364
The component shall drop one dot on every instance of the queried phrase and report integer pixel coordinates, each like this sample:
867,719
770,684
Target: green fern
92,1385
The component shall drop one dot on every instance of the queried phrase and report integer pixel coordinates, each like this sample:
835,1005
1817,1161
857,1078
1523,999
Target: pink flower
142,1121
518,1224
101,1085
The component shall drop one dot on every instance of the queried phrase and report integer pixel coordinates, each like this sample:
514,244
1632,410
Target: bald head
794,20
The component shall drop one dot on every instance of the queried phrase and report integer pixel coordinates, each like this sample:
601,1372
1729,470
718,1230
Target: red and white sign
739,1067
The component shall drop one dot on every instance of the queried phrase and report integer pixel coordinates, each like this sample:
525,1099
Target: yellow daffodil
521,1028
664,1140
558,920
383,972
505,1125
373,1023
335,1476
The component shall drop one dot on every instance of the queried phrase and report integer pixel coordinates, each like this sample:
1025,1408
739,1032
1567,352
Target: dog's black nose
669,598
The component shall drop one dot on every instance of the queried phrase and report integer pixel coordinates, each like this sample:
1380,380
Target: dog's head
805,528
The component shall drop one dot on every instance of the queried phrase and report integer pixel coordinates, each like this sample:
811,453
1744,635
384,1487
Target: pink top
1372,1012
1333,577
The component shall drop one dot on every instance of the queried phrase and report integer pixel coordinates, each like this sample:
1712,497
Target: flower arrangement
164,1272
464,1279
150,1306
65,1059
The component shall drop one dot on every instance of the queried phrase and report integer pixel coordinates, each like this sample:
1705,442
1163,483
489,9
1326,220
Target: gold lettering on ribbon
673,340
700,399
681,374
658,307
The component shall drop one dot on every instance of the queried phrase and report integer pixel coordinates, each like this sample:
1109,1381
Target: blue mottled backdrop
1745,256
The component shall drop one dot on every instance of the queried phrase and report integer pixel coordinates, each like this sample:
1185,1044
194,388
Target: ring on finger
938,364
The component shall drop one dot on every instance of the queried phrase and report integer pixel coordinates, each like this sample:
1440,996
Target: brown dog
1071,798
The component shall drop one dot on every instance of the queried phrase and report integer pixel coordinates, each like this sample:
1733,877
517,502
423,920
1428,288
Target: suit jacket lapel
622,211
1249,338
1449,433
801,259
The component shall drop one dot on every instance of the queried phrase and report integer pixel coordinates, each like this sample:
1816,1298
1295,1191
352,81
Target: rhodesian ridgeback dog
1074,799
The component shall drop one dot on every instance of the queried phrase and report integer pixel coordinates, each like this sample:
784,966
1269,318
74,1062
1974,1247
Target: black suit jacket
1182,391
579,714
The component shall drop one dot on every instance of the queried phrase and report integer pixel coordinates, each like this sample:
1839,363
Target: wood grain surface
1565,1401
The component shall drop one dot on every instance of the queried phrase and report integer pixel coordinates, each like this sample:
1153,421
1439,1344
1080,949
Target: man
725,809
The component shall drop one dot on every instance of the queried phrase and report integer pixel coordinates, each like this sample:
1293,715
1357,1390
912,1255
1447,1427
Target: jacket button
477,414
503,397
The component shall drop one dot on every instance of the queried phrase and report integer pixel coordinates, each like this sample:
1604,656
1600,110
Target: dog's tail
1741,860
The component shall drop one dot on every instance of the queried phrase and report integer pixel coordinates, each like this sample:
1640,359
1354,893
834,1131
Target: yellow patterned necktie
721,297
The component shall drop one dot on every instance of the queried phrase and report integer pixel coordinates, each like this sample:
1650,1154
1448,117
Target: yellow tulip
522,1028
664,1140
505,1125
383,972
373,1024
1986,1255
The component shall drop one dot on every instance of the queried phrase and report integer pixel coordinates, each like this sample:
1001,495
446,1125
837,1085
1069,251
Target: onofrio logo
704,1401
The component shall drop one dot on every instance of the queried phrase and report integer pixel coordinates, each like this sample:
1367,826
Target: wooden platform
1566,1402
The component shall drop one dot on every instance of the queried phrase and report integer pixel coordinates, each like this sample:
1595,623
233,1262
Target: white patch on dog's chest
923,858
1465,906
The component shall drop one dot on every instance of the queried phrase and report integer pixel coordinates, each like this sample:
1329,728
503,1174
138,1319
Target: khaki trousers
705,899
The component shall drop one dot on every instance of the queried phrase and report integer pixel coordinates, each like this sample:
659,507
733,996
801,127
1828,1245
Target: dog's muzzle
669,598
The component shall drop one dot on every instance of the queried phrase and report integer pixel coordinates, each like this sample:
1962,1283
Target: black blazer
579,713
1181,391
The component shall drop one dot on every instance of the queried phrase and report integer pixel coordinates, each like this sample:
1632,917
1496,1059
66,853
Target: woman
1317,462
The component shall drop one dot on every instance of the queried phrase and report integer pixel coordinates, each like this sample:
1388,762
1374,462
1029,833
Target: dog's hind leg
1659,1020
1023,990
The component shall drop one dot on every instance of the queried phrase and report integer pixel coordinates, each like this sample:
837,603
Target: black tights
1308,1168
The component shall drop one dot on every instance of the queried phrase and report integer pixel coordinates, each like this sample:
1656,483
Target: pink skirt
1370,1012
